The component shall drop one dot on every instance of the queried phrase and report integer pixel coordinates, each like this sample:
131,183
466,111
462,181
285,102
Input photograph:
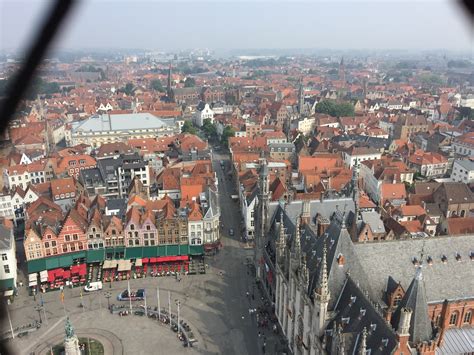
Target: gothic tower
169,89
262,213
301,98
322,295
342,72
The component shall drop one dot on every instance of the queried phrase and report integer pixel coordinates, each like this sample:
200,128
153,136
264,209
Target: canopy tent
44,276
110,264
33,279
124,265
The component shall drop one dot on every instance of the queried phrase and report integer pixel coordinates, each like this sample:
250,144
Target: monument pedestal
71,346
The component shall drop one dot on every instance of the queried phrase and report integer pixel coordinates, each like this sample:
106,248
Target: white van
93,286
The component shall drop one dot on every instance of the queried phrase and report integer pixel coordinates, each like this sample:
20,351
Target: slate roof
415,300
5,238
450,280
355,312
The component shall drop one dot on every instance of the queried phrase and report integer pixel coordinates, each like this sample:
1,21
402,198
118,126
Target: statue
71,342
69,329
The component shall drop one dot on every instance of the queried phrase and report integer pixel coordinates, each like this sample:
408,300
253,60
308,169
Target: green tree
189,83
228,132
128,89
209,129
157,86
188,128
335,109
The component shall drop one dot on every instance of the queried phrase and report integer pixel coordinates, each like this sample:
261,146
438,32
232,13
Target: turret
281,244
363,342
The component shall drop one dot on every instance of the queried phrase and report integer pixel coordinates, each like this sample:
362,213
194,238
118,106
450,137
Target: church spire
304,273
169,90
322,287
297,244
281,237
300,97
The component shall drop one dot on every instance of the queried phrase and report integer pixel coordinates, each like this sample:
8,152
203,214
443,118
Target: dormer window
341,260
458,257
429,260
345,321
415,261
353,299
373,327
132,227
471,255
363,311
444,259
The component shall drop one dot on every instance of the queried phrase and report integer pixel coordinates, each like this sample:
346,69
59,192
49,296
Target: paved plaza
215,305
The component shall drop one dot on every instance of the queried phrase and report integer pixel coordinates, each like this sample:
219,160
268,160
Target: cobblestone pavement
215,305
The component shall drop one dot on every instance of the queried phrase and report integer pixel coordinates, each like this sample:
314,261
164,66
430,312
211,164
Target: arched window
453,318
468,317
463,213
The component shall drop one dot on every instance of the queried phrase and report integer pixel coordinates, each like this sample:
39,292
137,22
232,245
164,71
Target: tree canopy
209,129
188,128
335,109
189,82
228,132
157,85
128,89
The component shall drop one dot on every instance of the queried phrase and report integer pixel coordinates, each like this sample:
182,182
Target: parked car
231,232
93,286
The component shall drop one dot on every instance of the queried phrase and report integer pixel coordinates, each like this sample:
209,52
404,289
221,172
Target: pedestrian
259,334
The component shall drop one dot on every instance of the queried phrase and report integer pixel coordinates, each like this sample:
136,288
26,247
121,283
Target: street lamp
39,308
108,295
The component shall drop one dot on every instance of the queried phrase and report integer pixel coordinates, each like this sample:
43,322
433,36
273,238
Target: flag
62,296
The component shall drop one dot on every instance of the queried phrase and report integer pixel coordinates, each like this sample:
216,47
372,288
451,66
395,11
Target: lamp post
108,295
39,308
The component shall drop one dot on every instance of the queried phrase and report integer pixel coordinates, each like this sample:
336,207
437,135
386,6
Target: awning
138,262
110,264
83,270
7,284
124,265
172,258
32,279
44,276
145,260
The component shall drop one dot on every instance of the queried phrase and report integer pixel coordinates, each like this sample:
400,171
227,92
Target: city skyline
159,25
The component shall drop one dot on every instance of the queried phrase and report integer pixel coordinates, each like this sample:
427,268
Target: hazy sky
164,25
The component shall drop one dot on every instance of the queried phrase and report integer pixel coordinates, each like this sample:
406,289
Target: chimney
306,215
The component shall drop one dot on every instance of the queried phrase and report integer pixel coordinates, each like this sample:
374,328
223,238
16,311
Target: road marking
45,333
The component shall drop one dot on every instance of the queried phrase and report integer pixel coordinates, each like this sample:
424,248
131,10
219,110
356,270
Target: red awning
82,269
153,260
67,274
144,260
75,269
172,258
51,276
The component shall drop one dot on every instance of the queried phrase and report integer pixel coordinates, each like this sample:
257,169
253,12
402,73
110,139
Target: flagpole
158,298
129,295
146,310
44,309
169,307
